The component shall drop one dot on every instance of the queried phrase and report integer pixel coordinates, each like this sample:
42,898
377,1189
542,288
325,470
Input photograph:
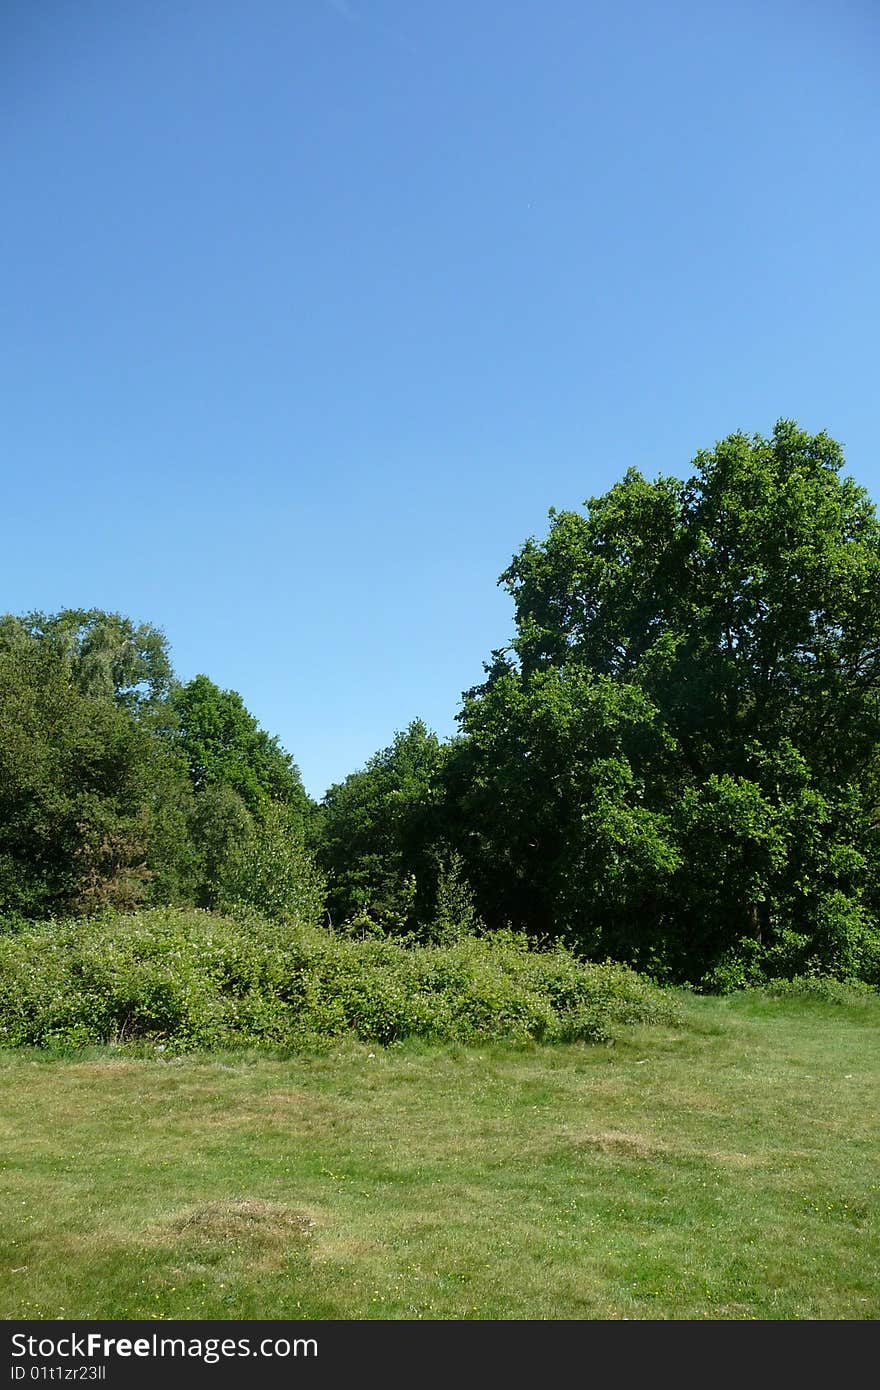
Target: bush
191,979
823,989
840,942
272,870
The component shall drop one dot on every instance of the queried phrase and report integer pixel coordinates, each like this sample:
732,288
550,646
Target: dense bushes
822,989
192,980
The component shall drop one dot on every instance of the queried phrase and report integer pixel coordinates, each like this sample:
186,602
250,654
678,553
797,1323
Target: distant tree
224,745
378,832
270,868
120,787
106,655
78,779
693,690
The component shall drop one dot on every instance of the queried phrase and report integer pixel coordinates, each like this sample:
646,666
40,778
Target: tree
558,785
78,779
119,787
695,673
378,832
219,825
224,744
106,655
271,869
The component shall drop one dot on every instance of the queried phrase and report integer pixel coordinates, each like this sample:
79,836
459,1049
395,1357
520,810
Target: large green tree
746,599
83,785
676,758
106,655
251,812
118,786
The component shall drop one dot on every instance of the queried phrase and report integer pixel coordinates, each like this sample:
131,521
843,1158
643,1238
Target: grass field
730,1169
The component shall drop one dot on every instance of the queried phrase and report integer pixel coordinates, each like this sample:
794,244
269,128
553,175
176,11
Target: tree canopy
378,832
80,784
692,691
105,655
745,600
224,744
119,786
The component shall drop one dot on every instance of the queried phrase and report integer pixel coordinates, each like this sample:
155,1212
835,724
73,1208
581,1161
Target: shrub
191,979
271,869
823,989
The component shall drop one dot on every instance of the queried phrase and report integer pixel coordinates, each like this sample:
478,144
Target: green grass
724,1169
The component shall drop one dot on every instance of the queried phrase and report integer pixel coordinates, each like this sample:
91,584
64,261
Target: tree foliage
675,762
105,655
269,868
676,759
77,782
120,787
224,745
379,830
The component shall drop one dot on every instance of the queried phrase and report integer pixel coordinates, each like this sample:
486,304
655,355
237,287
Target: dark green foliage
77,779
118,788
674,764
553,783
677,762
219,824
174,857
186,980
379,833
746,601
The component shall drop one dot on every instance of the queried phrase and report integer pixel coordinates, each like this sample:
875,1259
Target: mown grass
727,1168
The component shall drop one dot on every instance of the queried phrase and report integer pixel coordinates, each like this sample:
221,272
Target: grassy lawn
727,1170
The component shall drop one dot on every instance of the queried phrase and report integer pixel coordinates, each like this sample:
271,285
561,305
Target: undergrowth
191,980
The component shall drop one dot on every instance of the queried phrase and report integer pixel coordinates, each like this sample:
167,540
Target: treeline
120,786
674,763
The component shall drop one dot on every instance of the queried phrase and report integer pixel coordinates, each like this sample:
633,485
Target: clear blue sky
312,308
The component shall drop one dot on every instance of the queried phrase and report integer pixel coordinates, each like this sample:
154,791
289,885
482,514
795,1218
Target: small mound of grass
265,1231
184,980
222,1221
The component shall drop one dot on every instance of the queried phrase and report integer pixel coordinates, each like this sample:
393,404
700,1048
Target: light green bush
190,979
823,989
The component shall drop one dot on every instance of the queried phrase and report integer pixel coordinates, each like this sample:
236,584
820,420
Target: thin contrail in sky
348,12
343,8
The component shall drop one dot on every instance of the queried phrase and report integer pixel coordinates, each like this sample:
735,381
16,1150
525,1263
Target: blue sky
312,308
